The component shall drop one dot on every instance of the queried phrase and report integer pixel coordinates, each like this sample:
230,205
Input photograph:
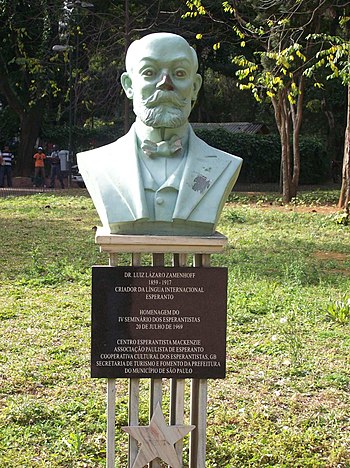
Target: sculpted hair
135,47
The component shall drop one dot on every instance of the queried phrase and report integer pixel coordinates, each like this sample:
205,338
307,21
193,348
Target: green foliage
291,334
315,198
335,58
339,311
262,155
315,162
8,126
51,273
26,35
271,72
342,218
83,138
271,66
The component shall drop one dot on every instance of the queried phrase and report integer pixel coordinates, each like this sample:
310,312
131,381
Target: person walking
39,169
7,161
55,162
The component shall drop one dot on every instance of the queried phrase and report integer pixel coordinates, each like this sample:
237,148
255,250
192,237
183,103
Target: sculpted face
162,79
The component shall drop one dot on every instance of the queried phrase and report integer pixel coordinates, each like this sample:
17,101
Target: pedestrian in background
7,161
39,170
55,162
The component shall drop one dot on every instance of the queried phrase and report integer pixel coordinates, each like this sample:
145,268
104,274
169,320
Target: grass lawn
285,401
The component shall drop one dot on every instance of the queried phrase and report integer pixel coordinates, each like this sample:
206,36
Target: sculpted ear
127,85
197,83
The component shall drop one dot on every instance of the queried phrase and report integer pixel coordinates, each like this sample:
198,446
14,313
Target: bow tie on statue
169,148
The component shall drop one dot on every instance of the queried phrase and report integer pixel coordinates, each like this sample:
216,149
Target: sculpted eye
180,73
148,72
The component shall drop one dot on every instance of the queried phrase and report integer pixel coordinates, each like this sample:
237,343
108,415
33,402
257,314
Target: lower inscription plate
156,322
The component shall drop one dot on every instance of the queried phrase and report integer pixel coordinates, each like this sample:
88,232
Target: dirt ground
324,209
329,209
267,189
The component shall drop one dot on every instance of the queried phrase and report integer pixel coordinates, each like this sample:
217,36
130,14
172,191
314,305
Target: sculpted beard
162,109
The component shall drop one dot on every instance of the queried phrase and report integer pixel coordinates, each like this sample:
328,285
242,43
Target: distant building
234,127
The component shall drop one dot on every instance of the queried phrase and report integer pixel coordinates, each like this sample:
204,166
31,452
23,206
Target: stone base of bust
175,228
121,243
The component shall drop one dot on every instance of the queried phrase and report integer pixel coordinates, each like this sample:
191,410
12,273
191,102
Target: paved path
6,192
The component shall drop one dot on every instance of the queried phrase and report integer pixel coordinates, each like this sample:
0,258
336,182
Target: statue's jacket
113,178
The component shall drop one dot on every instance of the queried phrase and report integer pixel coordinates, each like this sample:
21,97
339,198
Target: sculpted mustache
163,97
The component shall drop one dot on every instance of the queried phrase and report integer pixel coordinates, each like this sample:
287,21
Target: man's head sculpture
162,79
160,178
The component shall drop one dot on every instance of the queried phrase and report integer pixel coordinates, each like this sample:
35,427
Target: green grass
325,196
285,401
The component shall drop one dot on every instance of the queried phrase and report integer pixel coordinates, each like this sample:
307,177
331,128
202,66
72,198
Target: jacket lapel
125,178
203,167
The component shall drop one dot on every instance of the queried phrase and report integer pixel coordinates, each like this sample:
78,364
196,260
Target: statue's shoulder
206,149
104,152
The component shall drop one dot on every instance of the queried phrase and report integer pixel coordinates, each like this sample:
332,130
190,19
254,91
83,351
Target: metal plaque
154,322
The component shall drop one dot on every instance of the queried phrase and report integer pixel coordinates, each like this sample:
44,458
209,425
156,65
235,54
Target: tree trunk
344,198
30,127
283,125
127,43
297,114
30,123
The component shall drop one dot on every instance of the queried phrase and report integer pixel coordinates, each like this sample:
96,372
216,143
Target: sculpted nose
165,84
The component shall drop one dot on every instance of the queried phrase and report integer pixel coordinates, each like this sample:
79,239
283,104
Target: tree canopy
262,46
276,42
334,56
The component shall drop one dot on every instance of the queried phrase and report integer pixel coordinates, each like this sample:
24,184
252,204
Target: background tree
99,40
53,95
71,89
334,56
275,44
28,30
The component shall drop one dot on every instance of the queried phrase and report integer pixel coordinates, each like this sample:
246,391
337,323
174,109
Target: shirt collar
173,180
